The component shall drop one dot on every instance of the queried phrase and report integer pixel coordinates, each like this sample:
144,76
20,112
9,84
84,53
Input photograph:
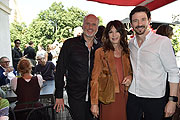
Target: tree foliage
176,38
176,31
18,31
54,23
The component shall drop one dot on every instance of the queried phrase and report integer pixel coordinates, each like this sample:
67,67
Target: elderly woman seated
45,68
27,87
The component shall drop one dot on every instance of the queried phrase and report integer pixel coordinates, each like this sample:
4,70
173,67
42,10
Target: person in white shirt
152,58
42,52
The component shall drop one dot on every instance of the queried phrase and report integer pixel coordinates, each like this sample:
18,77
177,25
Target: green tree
176,38
18,31
176,31
54,23
100,21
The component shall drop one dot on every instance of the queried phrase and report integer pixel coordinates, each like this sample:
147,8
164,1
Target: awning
151,4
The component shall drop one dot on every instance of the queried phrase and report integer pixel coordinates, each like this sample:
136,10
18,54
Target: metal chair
41,113
19,114
11,114
64,115
48,113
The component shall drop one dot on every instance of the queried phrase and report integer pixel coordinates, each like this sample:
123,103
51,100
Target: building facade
5,42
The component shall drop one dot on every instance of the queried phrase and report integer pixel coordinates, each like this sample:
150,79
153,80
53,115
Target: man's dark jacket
16,56
30,52
73,62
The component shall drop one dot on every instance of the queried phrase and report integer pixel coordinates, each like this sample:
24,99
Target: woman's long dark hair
165,30
107,45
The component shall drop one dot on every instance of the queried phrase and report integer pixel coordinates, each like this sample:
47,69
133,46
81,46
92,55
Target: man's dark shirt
73,62
46,71
30,52
16,56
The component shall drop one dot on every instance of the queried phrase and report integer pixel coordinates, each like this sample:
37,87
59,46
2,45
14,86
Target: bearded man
76,62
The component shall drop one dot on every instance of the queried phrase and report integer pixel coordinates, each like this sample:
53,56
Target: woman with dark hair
114,53
165,30
100,33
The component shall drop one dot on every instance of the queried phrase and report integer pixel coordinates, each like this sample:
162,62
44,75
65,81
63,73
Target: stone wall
5,43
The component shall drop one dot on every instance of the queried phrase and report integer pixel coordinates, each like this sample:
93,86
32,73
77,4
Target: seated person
45,68
6,72
4,109
27,87
4,106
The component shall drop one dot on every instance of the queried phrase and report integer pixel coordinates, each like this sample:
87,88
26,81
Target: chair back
41,113
11,114
21,114
48,113
64,115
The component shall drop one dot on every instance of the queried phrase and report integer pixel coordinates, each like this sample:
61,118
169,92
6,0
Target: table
47,91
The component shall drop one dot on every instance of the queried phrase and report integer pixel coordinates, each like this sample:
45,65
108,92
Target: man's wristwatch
173,98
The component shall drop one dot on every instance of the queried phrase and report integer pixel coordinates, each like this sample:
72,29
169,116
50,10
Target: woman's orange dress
117,109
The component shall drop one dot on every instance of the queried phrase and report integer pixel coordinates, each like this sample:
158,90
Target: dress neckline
118,57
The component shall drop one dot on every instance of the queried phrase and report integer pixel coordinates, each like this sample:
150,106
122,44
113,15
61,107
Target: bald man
75,62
